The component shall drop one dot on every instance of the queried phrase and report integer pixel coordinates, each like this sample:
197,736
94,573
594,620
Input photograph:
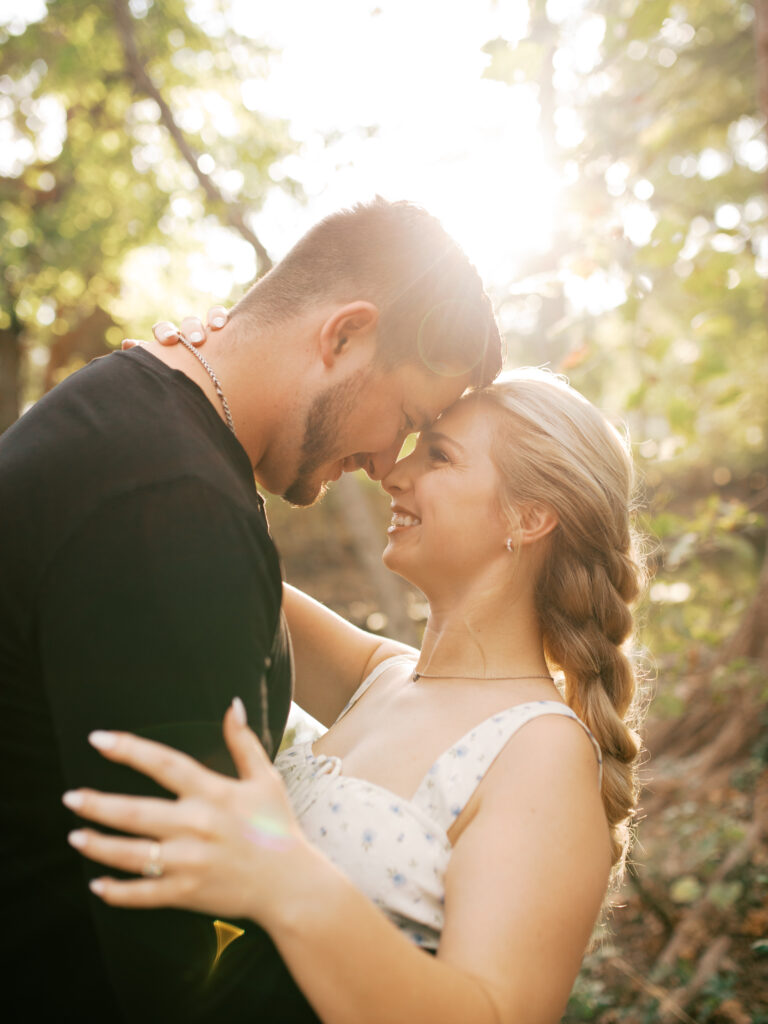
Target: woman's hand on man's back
167,333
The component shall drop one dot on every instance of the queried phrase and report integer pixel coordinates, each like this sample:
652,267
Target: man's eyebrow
435,435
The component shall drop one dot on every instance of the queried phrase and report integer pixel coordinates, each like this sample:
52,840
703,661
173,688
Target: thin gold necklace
510,679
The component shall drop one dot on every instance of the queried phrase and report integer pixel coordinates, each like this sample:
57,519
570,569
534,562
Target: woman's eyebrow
435,435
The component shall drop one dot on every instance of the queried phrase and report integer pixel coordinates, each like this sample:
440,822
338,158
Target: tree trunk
10,377
751,638
86,341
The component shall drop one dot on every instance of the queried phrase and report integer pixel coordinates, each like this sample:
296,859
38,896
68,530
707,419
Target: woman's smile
402,520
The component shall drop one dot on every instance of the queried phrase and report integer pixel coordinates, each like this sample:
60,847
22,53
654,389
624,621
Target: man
140,590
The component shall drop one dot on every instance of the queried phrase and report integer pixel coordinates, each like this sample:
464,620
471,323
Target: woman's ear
347,325
536,521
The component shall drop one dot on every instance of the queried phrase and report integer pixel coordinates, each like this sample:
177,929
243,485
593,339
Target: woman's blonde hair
554,448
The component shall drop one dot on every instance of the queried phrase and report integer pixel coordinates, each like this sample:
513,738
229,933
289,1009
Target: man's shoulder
119,422
117,432
85,407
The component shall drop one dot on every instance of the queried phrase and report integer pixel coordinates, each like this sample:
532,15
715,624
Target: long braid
554,448
585,619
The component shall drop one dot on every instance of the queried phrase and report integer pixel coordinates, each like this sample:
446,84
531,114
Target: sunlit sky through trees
383,97
603,165
460,144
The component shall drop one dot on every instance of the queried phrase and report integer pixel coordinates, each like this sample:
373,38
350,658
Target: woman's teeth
400,519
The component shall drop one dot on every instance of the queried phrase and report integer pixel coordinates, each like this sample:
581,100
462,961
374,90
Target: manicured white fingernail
96,885
168,332
72,799
240,713
78,839
218,321
102,740
196,337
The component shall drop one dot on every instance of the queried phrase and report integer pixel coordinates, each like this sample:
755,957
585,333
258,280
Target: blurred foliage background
126,142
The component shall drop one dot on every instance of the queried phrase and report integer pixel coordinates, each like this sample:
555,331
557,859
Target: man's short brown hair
432,307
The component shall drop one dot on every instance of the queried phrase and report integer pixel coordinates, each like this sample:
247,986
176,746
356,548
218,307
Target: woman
459,802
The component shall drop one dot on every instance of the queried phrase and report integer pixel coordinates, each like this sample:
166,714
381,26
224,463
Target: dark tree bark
10,377
84,342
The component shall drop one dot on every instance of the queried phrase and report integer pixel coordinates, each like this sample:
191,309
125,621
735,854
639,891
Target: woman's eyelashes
436,454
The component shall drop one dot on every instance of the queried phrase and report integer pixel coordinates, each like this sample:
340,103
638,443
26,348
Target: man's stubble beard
325,417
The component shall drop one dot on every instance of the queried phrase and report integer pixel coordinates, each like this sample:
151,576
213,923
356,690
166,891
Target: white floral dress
395,850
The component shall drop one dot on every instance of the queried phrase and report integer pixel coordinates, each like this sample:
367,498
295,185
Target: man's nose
380,464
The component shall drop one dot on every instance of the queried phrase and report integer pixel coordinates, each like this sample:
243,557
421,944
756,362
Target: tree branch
142,83
708,965
662,996
650,899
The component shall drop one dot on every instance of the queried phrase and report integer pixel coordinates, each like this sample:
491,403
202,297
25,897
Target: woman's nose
398,478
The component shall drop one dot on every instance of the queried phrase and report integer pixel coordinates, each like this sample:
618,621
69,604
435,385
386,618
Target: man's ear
536,521
352,322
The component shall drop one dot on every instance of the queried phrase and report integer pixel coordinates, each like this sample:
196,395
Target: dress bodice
397,850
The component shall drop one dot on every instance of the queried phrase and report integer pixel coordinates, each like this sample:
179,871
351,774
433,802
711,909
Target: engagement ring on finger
153,866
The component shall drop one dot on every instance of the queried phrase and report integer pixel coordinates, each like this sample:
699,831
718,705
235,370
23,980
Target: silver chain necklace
216,382
510,679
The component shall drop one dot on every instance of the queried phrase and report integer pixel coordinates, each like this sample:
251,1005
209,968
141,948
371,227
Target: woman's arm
332,657
524,885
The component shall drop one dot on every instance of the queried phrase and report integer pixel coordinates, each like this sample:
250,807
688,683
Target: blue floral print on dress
397,851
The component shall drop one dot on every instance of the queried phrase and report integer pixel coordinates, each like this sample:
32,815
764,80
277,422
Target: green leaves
113,181
672,131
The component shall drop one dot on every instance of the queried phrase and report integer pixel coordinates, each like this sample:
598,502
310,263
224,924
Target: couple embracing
442,852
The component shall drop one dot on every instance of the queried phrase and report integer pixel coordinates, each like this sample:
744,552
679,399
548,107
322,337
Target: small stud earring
509,545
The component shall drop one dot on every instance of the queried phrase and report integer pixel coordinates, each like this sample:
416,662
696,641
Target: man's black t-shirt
140,591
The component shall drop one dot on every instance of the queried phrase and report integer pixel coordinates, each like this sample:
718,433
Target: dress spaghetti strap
380,669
